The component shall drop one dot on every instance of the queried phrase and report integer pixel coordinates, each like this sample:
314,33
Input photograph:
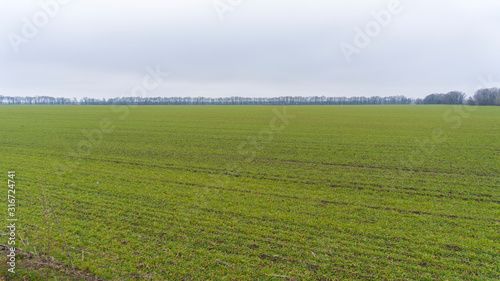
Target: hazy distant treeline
489,96
481,97
209,101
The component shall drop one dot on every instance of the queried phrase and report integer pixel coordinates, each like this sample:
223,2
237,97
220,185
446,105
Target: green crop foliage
236,193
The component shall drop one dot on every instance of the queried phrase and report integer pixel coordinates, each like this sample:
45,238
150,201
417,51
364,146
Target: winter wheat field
252,192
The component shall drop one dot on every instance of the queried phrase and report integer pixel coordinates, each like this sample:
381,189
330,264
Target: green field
237,193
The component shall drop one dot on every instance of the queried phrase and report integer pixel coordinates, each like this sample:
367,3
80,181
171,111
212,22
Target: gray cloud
261,48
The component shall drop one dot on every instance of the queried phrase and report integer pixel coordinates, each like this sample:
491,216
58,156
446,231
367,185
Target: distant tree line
449,98
489,96
485,97
289,100
37,100
481,97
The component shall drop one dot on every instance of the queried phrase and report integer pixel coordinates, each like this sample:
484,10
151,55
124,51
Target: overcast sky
252,48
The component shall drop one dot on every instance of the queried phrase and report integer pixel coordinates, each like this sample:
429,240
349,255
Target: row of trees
481,97
211,101
37,100
454,97
489,96
485,97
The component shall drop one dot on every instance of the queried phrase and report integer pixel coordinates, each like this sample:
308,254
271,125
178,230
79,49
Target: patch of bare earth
29,262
